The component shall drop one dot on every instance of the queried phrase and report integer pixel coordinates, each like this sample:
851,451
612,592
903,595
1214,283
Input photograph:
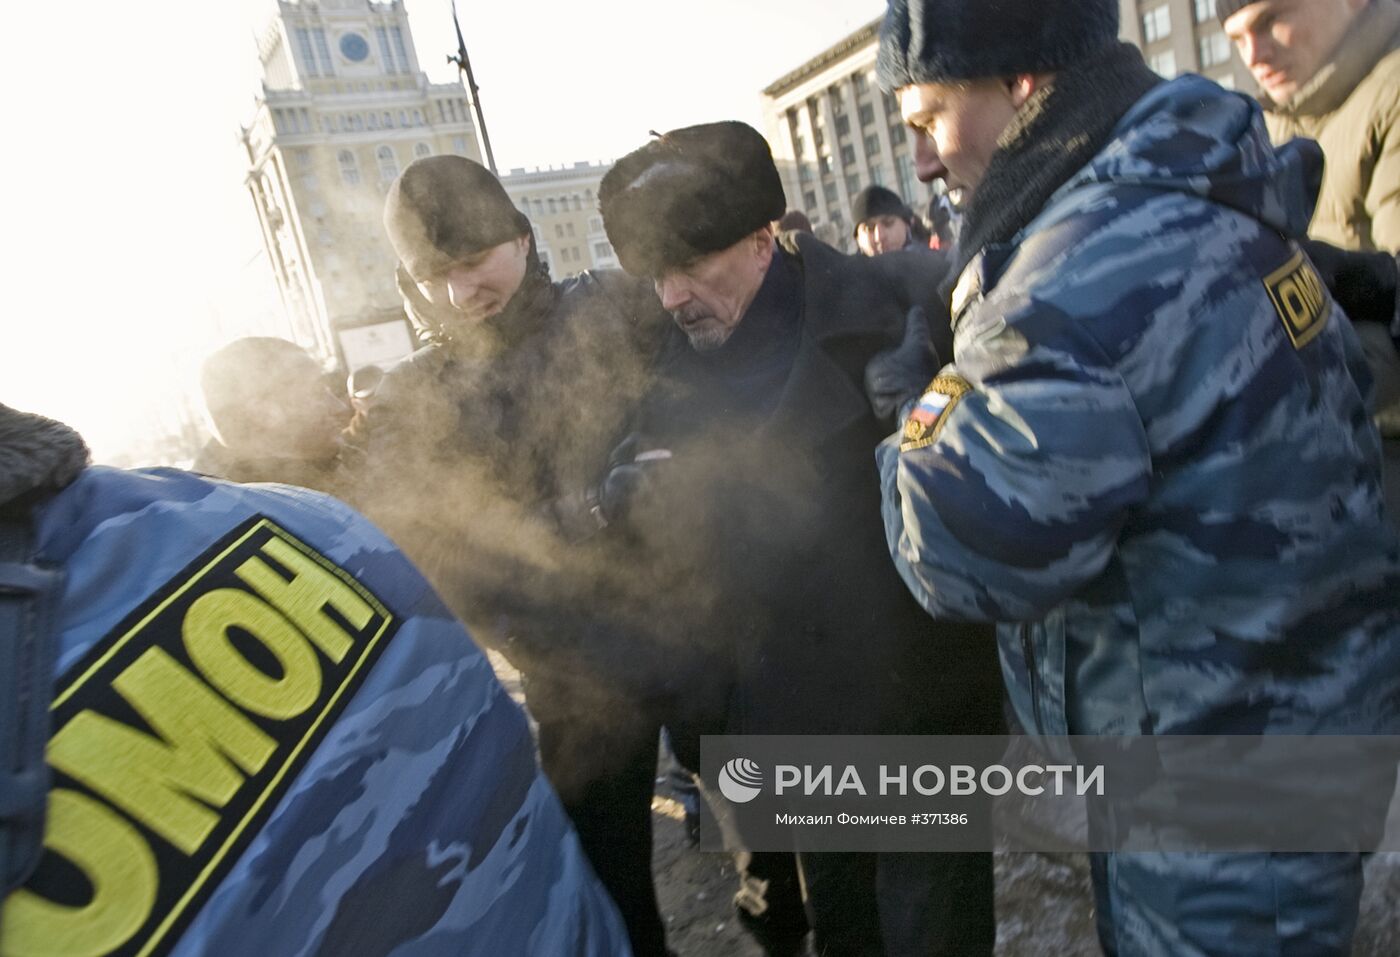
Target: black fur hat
1225,9
444,208
935,41
689,192
874,201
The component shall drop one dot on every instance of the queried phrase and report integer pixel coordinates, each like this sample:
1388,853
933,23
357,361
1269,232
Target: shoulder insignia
177,735
929,413
1300,299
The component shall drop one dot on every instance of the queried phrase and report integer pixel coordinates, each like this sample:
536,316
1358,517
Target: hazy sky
134,248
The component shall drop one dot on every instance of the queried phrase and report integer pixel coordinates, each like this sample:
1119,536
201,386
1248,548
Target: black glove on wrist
581,515
897,375
1364,284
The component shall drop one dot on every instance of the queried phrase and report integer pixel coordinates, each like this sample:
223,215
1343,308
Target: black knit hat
876,201
445,208
689,192
1225,9
935,41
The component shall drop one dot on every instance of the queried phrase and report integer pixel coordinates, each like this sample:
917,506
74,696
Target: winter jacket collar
36,454
1371,35
1060,128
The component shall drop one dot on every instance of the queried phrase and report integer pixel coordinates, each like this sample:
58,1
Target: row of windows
1213,49
358,122
1156,24
315,52
385,158
550,206
452,111
904,172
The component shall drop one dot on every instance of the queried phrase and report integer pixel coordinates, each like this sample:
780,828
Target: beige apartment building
833,132
563,206
1184,36
343,107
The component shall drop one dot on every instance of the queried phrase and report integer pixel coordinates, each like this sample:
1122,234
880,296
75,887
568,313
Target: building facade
1184,36
833,132
563,206
343,107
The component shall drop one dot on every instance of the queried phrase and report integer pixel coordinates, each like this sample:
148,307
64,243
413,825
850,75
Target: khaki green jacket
1352,108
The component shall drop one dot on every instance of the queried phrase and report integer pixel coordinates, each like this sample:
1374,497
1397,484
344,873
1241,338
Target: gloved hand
1364,284
897,375
581,515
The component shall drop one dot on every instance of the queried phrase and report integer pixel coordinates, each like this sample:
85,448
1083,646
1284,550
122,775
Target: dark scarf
1059,130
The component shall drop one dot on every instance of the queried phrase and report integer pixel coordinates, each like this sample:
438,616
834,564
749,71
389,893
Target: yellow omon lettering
161,783
305,597
206,632
117,864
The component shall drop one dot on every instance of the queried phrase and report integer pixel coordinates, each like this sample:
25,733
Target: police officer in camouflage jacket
1150,459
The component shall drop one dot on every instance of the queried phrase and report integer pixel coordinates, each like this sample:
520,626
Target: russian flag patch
927,417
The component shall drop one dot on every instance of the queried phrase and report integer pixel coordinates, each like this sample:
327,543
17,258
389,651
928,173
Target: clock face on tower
354,47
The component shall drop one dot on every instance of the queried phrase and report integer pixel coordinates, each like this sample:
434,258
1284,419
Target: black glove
581,515
897,375
1364,284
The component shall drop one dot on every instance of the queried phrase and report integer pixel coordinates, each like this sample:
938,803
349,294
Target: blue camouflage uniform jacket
1151,461
270,737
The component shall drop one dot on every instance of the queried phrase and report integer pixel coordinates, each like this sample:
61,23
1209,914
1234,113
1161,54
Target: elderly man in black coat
763,493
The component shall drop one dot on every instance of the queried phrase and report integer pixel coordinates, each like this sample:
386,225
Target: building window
1163,64
1205,11
877,175
861,81
388,121
403,118
843,125
372,121
602,251
308,55
804,173
1156,24
396,35
818,138
852,184
578,203
417,117
558,231
867,114
897,134
544,258
386,54
553,207
809,200
799,146
323,51
848,155
829,190
872,145
459,145
595,224
303,158
1214,49
824,164
421,150
388,164
349,169
569,228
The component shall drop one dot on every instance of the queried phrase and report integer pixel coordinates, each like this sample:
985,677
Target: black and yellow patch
931,411
1300,298
178,733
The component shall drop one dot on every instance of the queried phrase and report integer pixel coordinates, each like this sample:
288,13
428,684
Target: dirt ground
1044,905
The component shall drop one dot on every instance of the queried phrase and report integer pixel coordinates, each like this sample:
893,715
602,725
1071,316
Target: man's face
478,286
1285,42
300,416
882,234
956,129
709,296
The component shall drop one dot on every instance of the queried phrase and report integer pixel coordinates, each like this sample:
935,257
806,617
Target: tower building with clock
342,108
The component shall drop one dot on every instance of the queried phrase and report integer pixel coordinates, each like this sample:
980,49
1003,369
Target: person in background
1329,70
236,720
884,223
273,417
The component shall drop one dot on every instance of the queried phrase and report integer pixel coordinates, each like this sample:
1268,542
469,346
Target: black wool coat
767,543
